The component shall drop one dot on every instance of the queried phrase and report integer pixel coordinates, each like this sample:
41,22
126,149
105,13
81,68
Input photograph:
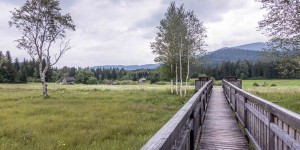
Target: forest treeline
244,69
27,71
15,71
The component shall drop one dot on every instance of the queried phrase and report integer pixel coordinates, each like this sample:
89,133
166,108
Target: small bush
91,80
218,83
273,85
255,84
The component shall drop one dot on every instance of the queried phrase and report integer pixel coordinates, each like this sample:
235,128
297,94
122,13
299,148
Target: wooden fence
183,130
267,125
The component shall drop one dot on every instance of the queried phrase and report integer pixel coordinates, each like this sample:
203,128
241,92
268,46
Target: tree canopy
42,25
179,39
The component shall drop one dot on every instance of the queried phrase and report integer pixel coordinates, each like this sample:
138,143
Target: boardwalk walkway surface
220,129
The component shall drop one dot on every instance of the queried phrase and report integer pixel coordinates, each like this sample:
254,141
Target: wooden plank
260,112
283,114
168,135
286,130
253,140
276,137
280,142
292,132
292,143
220,129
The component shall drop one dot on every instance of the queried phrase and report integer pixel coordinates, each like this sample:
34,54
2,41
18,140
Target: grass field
286,93
82,116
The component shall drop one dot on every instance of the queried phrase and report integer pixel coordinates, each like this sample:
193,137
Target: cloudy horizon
119,32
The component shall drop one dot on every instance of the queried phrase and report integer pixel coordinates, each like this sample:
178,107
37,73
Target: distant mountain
258,46
129,67
248,52
231,54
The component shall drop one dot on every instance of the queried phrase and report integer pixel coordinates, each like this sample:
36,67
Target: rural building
142,80
68,80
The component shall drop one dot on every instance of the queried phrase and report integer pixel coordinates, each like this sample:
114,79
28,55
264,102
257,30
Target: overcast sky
114,32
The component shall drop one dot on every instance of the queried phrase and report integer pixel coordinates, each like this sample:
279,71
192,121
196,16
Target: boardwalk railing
182,131
267,125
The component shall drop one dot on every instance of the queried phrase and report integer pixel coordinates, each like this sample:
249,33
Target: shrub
255,84
273,84
217,83
91,80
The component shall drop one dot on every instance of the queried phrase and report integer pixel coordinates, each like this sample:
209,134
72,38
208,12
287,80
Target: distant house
68,80
142,80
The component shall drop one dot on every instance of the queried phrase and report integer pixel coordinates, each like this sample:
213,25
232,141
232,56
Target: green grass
83,117
279,83
285,93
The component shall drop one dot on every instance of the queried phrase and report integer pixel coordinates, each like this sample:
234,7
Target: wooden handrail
183,130
266,124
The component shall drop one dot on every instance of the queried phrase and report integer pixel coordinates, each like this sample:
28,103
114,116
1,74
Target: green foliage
255,84
91,80
83,116
179,39
83,75
251,70
283,44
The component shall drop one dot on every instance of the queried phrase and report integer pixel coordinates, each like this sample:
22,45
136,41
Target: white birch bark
180,67
176,80
187,75
172,91
43,77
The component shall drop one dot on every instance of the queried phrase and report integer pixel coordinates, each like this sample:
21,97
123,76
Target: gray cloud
120,31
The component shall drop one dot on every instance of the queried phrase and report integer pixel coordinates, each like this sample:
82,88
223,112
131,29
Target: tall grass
285,93
83,118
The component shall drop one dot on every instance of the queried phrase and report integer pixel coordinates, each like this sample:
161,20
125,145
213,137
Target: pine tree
11,73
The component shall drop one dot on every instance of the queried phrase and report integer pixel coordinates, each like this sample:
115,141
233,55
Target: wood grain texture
220,129
260,115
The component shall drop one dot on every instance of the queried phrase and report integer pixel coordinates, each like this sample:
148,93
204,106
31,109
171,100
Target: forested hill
258,46
129,67
231,54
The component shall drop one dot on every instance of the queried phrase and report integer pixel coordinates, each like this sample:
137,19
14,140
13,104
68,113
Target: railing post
235,101
245,118
200,83
271,133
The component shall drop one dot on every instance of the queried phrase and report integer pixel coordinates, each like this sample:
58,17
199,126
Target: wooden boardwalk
220,129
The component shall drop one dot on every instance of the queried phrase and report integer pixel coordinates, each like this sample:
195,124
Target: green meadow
103,116
82,116
285,93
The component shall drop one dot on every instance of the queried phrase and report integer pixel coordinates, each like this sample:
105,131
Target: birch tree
165,44
42,26
180,38
282,25
195,47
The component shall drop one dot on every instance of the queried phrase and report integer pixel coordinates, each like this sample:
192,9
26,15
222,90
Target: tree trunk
180,67
45,89
176,80
172,91
172,86
43,78
187,75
